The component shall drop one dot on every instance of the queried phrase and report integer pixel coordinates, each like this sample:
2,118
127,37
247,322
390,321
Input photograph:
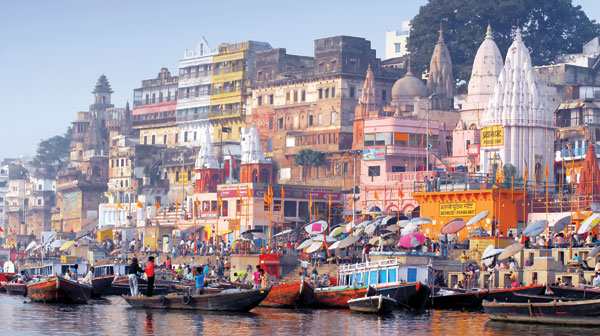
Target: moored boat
56,289
447,298
289,295
120,286
237,301
377,304
580,293
572,312
16,288
5,278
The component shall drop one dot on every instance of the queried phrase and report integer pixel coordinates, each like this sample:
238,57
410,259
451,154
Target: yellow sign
457,209
492,136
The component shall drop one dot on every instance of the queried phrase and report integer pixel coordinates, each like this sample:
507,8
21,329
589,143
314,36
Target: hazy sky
52,52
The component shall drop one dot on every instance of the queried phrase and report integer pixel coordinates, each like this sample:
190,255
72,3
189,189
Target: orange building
505,205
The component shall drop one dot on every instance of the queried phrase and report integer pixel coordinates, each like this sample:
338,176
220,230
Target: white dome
487,66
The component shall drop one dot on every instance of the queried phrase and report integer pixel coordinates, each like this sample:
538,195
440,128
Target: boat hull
576,293
120,287
239,301
16,289
56,289
100,285
337,298
377,304
289,295
474,300
412,296
574,313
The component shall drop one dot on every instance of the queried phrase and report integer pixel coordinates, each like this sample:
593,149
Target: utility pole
427,131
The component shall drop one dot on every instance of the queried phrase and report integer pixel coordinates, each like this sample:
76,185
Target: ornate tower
207,166
441,81
254,167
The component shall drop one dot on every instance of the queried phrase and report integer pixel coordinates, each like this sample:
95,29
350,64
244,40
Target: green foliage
509,172
549,28
308,158
53,153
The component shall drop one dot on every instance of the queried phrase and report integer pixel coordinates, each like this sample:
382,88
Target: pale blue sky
52,52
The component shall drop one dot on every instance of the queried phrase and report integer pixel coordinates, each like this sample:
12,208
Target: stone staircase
330,269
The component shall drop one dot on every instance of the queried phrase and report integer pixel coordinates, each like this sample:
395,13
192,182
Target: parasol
363,223
30,246
284,232
535,229
66,245
249,231
594,253
117,251
316,227
475,219
314,247
348,241
510,251
320,238
489,253
410,228
260,235
561,224
305,244
337,231
420,220
412,240
389,220
334,245
589,223
453,226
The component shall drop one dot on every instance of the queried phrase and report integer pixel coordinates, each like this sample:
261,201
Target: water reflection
115,317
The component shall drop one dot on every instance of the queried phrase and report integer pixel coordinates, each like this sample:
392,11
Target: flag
119,205
376,196
157,205
352,202
248,193
266,199
220,201
282,193
1,229
232,159
330,200
546,171
198,202
400,194
270,193
525,173
310,202
237,192
139,204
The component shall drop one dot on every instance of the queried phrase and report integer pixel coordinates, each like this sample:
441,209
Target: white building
395,41
193,104
3,191
518,128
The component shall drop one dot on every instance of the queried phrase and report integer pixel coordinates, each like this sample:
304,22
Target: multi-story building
396,40
41,193
193,103
17,203
3,192
303,102
155,110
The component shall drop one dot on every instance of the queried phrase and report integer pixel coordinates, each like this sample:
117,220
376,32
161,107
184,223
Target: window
112,163
259,99
176,177
153,98
320,93
374,171
270,123
280,123
287,97
398,47
160,97
147,99
332,92
310,120
345,168
303,95
295,96
327,93
185,136
398,169
165,139
383,95
271,99
39,202
369,140
352,91
333,117
153,142
176,138
145,140
270,144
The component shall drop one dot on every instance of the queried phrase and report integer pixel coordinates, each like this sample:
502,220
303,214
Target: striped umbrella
412,240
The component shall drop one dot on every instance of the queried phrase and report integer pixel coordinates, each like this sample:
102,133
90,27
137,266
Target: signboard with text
492,136
371,154
457,209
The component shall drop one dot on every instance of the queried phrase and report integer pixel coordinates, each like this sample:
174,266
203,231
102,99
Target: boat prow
377,304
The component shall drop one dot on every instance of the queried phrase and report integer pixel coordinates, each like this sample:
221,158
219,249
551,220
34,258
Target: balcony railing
194,116
226,113
154,101
195,75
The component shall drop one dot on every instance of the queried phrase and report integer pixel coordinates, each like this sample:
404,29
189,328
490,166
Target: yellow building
232,69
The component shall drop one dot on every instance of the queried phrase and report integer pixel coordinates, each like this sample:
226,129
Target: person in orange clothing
150,274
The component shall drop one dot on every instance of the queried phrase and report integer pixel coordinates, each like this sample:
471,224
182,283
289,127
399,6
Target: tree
509,172
549,28
53,153
308,158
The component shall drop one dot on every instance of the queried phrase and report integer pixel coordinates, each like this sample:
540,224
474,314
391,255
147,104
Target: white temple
523,131
252,151
206,157
487,66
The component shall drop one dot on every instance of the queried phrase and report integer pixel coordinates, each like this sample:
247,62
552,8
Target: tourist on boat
89,276
199,277
134,271
264,279
149,269
512,265
256,278
596,281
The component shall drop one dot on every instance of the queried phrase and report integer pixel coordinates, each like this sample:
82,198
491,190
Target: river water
114,317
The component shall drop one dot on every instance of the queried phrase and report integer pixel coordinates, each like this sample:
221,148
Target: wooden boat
585,312
56,289
576,292
5,278
289,295
472,300
101,284
377,304
120,286
15,288
238,301
404,283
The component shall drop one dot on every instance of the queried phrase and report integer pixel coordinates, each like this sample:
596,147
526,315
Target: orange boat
56,289
289,295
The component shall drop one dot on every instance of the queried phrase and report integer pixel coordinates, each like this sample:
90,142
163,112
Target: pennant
139,204
119,205
157,205
525,173
232,159
248,193
376,196
197,202
282,193
400,194
237,192
266,199
1,229
310,202
330,200
220,201
352,202
546,171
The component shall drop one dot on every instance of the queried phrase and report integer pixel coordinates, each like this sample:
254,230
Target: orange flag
546,171
376,196
119,205
140,204
157,205
248,193
197,202
525,173
400,193
237,192
219,201
330,200
282,193
310,202
351,202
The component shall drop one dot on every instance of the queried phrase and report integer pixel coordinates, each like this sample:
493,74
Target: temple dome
408,86
487,66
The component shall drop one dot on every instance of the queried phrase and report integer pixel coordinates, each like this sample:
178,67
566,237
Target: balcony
578,153
227,113
192,117
139,102
192,75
